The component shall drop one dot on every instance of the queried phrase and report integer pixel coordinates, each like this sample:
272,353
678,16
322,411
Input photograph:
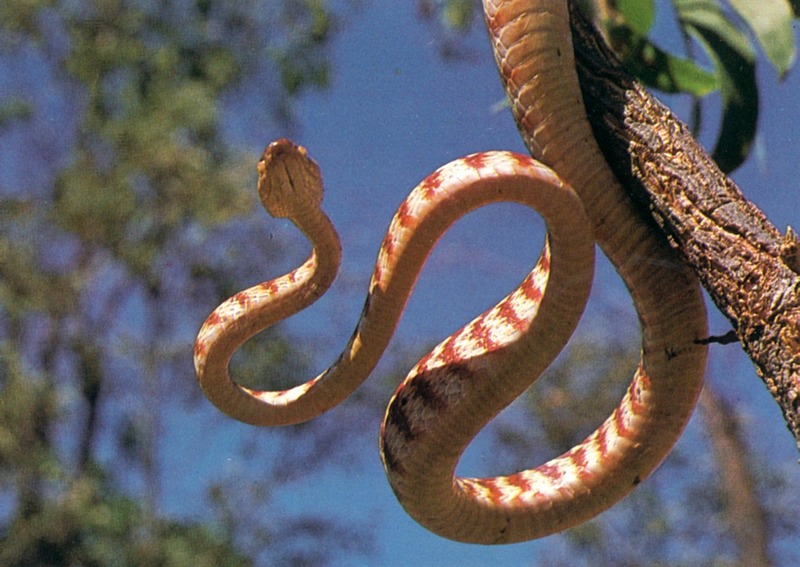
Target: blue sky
394,113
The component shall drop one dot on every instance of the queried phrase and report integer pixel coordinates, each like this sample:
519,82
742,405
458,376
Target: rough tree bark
750,270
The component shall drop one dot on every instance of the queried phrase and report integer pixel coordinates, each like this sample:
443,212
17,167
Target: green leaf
639,14
661,70
458,14
734,60
706,16
14,108
690,78
771,22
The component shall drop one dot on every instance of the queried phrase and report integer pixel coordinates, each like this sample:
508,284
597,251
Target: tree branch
750,270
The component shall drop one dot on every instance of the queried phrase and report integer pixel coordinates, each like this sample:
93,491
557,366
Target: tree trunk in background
743,510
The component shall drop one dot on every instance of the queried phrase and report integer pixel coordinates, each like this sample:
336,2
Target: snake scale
467,379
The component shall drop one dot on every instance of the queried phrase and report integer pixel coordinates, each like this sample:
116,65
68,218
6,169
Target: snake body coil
465,381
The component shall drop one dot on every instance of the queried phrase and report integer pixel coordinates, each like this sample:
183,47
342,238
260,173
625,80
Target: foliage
103,273
723,28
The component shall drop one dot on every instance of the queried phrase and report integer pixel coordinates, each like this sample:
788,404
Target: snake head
289,181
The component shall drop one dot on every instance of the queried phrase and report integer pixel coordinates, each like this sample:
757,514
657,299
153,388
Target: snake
468,378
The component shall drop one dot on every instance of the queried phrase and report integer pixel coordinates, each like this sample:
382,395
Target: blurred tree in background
124,217
102,279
